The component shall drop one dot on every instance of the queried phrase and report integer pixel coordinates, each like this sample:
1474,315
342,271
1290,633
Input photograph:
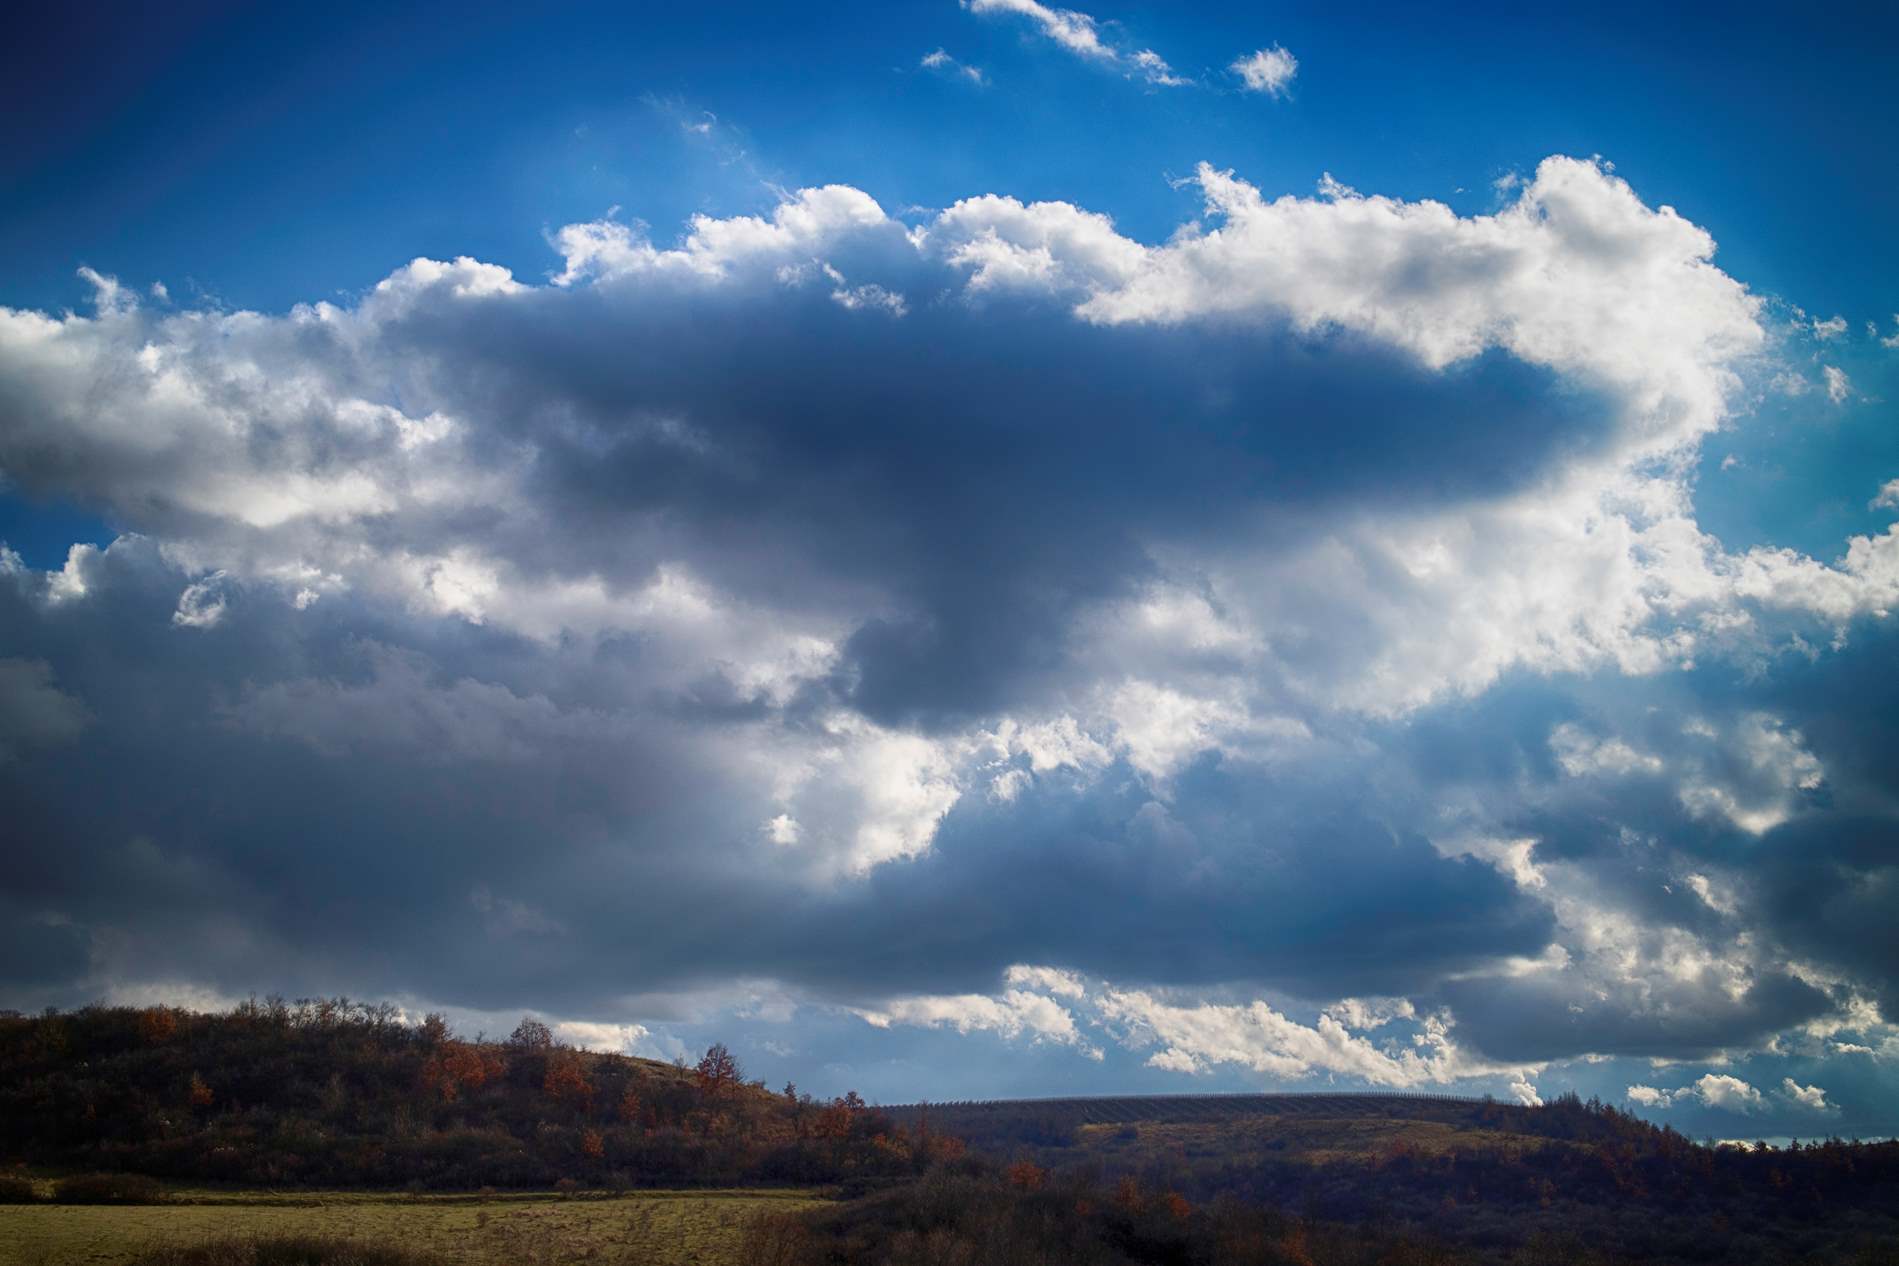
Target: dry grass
700,1228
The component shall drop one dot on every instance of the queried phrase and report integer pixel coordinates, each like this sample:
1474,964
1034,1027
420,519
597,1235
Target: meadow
700,1228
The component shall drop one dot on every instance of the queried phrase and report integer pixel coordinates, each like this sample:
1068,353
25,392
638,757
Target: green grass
647,1228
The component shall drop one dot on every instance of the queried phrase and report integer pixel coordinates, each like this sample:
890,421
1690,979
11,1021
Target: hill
339,1094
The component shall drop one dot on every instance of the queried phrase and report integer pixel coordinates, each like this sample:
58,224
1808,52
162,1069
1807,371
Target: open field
665,1228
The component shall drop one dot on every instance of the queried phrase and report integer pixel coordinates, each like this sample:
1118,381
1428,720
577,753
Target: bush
16,1190
287,1250
109,1189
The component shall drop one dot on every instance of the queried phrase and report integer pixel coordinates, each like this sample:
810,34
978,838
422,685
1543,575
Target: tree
434,1030
718,1072
530,1035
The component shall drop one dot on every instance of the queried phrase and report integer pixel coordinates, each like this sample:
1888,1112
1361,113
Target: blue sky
971,549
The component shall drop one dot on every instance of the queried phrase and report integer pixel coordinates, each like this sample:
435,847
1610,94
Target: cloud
1830,329
1013,1014
1292,633
941,61
1191,1038
1076,32
1806,1096
1719,1090
34,712
1080,34
1838,385
1269,70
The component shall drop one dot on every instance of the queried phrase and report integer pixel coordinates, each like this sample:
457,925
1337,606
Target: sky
971,549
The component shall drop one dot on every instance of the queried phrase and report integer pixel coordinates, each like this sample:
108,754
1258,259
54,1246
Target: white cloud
1526,1093
1080,34
617,1039
1154,69
1014,1014
201,605
1838,385
1051,980
1193,1037
1269,70
1806,1096
1581,755
1714,1090
1830,329
1887,497
1076,32
1719,1090
941,60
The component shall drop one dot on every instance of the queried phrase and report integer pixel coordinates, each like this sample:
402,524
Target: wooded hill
335,1093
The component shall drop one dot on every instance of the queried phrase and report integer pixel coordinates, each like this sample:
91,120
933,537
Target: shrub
287,1250
17,1190
108,1189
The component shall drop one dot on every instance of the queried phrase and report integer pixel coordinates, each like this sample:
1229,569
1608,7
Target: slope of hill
339,1094
1478,1180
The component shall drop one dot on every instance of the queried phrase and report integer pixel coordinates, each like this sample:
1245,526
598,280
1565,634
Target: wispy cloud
1080,34
944,63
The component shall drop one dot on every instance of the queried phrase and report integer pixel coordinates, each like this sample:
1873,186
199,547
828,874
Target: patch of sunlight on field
663,1228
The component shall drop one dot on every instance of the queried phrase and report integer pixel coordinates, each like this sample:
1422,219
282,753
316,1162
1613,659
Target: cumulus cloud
1806,1096
1719,1090
1247,613
1268,70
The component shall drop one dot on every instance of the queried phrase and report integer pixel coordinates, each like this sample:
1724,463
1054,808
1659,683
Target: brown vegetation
334,1093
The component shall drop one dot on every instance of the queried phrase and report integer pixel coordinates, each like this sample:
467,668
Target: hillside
339,1094
1480,1180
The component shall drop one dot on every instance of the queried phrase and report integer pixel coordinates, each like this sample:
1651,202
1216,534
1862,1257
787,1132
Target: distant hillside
1436,1177
333,1093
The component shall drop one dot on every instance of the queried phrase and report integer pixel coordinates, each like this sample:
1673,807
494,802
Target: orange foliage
1176,1206
566,1080
201,1095
718,1072
1027,1175
592,1144
1127,1196
456,1067
630,1106
157,1024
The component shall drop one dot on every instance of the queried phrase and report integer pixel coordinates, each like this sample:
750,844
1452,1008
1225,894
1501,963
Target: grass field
660,1228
